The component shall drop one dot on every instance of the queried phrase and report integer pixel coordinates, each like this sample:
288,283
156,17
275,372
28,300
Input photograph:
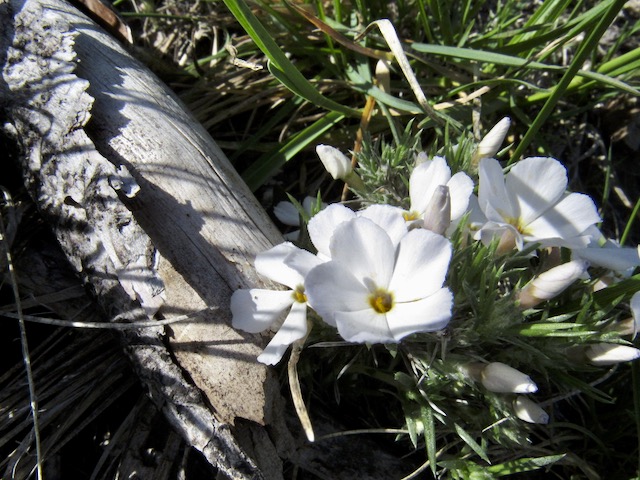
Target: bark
157,224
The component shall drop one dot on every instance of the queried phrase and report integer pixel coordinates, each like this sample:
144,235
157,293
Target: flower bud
500,378
437,216
529,411
551,283
492,141
603,354
383,76
336,163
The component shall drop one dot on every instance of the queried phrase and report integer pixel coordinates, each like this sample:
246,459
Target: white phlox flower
423,190
374,290
530,204
255,310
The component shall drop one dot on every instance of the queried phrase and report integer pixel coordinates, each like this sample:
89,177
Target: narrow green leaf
462,433
279,65
268,164
523,465
429,436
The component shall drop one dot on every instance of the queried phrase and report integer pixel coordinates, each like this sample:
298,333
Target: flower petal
365,249
322,226
302,261
271,265
534,185
493,192
566,220
287,213
424,179
460,189
336,162
330,287
389,218
364,326
427,315
293,328
421,266
256,310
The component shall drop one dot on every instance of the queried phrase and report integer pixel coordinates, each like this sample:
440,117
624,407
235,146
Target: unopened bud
437,216
500,378
335,162
603,354
551,283
492,141
383,77
529,411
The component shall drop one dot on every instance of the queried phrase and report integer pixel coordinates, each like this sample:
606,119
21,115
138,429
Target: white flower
608,254
377,291
423,189
602,354
551,283
500,378
531,205
635,312
334,161
256,310
322,225
529,411
492,141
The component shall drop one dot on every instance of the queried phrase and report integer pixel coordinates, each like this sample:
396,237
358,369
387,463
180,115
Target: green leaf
523,465
468,439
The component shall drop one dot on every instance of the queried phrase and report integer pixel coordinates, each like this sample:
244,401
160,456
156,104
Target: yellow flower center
381,300
410,216
299,295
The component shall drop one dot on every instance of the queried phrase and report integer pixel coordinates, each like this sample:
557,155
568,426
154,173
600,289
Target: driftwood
157,224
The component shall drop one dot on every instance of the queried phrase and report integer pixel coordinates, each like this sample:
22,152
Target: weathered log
196,214
157,223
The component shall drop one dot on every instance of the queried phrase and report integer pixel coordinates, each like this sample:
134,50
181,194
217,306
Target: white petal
256,310
389,218
634,303
302,261
293,328
534,185
336,163
427,315
421,265
363,326
271,265
566,220
330,287
460,189
365,250
322,226
287,213
424,179
618,259
492,191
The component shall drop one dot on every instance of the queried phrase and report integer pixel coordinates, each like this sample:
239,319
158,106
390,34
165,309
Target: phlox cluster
380,274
